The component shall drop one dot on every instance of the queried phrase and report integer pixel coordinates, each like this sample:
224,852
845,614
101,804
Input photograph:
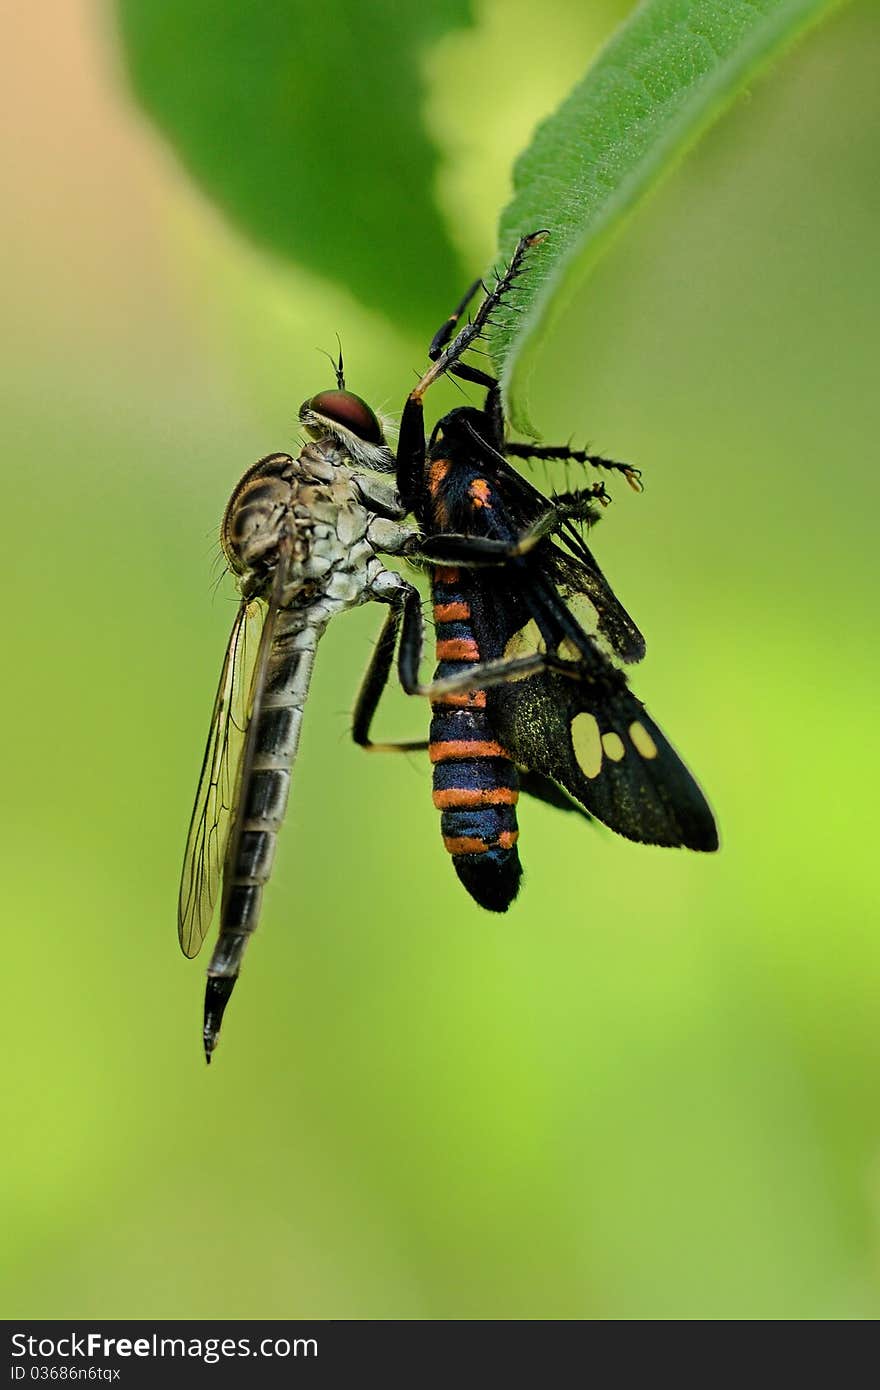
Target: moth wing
594,603
596,739
574,570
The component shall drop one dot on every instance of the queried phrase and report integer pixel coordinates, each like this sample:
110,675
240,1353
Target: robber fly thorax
321,511
299,505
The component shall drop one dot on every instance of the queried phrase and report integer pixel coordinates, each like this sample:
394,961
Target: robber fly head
352,422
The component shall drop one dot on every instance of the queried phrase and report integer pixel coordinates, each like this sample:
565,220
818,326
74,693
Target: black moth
526,697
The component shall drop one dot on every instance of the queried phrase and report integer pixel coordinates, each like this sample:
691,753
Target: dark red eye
347,409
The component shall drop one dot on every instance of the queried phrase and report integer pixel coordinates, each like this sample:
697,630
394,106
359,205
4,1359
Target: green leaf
303,121
661,81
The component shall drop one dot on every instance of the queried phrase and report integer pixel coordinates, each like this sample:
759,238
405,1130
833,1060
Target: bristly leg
447,358
577,505
444,332
446,355
562,451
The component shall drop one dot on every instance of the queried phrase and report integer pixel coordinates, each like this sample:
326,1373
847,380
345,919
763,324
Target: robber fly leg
487,673
405,618
477,552
406,613
405,605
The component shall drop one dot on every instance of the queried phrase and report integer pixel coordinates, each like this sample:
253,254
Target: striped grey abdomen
263,800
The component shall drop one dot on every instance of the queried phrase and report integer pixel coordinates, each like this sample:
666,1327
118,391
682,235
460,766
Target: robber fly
302,537
526,697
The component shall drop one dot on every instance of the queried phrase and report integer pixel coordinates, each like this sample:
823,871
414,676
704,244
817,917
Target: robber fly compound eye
346,409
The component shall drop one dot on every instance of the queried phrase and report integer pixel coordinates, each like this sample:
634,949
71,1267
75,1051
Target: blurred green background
653,1089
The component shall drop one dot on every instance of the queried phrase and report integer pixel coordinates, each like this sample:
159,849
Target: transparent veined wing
215,797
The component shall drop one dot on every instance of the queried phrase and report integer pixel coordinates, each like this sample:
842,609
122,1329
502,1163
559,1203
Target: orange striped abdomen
476,785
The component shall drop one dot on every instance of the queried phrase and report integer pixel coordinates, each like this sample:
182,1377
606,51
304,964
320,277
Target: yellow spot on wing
569,651
614,746
642,740
528,639
586,612
587,744
523,643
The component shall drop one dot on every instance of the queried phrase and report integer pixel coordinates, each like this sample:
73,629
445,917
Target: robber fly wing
215,797
256,690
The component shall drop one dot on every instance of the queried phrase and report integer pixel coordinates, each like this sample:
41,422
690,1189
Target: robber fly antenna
340,370
336,364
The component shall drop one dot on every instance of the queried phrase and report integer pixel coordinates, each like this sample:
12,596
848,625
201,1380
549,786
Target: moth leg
562,451
445,357
577,504
444,332
411,452
449,356
465,372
